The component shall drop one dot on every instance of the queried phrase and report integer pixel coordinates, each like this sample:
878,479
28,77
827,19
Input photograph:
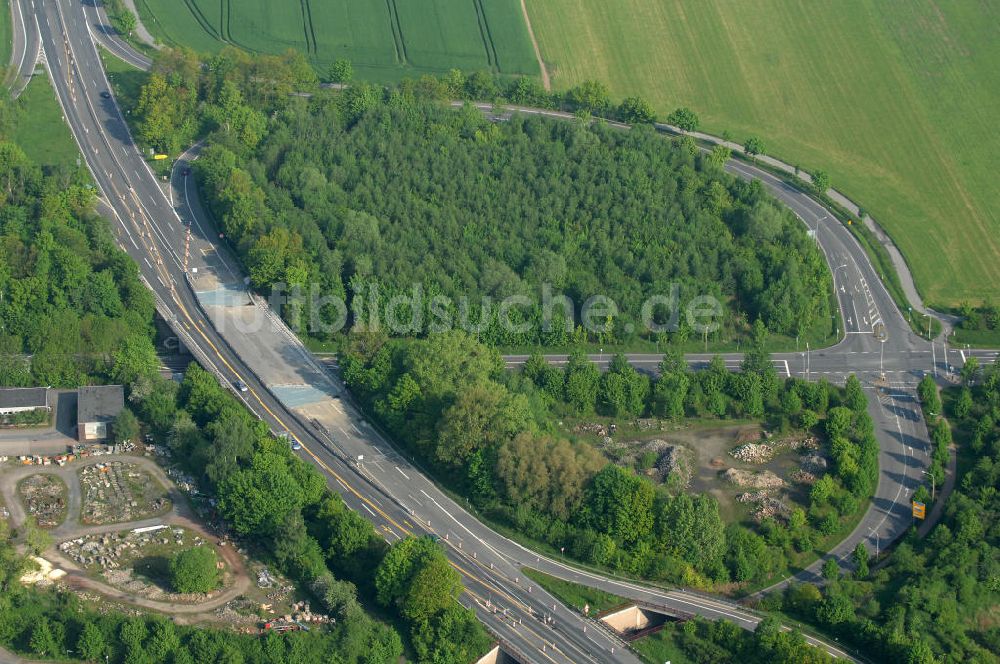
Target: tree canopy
409,209
194,570
69,297
490,435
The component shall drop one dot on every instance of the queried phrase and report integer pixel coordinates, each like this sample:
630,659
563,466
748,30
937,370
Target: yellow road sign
919,510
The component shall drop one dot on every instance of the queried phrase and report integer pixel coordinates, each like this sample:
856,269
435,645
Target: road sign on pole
919,510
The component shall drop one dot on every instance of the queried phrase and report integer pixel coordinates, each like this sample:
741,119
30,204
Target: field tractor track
397,31
487,37
227,20
202,19
307,26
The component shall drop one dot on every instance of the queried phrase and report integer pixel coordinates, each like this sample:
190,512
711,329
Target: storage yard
136,560
44,498
117,491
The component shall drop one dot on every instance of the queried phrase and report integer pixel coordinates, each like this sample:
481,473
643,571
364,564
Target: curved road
25,51
200,291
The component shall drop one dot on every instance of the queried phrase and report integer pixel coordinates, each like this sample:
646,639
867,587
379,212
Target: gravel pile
814,464
765,506
44,497
592,427
753,452
758,453
803,477
677,460
761,480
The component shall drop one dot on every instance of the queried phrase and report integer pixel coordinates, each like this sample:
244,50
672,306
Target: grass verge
661,647
975,338
126,80
40,129
574,595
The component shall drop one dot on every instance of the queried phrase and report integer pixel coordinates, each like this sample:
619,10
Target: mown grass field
897,101
40,130
385,39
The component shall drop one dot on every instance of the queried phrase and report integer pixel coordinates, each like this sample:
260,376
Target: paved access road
200,291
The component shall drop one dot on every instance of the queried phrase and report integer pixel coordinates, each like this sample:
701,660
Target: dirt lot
138,562
116,492
44,497
704,456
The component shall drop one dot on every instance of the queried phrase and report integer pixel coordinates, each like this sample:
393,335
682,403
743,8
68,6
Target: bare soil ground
712,452
709,446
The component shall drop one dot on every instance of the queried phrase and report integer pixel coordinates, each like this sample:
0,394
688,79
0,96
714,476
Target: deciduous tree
684,118
194,570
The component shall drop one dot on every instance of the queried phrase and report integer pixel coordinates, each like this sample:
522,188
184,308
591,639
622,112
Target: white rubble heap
757,453
753,480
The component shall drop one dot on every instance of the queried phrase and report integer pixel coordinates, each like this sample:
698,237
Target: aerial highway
201,292
148,227
25,49
108,37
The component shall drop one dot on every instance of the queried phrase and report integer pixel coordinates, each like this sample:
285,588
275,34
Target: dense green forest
412,195
387,200
490,435
72,307
933,599
705,642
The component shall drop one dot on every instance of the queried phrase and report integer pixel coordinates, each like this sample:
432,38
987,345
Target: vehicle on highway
105,94
291,439
240,385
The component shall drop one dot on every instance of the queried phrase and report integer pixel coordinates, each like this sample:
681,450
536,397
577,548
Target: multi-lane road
200,291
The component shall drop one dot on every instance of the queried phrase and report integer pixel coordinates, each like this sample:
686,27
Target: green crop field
385,39
896,100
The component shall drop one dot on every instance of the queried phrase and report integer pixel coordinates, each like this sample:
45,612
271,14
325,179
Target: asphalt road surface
199,291
26,47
